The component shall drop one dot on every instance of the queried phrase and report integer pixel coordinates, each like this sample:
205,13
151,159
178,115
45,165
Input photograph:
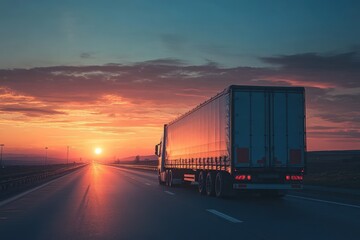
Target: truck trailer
245,138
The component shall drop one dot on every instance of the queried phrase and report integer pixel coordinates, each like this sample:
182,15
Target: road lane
102,202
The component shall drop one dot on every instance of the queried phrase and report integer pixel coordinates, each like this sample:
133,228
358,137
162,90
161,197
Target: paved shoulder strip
222,215
30,191
324,201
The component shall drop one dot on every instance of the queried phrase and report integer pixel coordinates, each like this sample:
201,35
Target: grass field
334,169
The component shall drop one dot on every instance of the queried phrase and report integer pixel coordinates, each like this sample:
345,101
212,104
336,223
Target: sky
109,74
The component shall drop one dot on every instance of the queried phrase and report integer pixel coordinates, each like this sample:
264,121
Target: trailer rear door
268,128
287,138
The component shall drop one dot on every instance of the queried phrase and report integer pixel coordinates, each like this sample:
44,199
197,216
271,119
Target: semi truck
248,138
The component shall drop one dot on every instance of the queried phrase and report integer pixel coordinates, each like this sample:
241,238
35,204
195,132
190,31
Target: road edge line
324,201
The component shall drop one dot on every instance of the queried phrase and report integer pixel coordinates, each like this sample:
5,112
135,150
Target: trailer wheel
167,177
202,182
221,185
171,177
159,178
210,184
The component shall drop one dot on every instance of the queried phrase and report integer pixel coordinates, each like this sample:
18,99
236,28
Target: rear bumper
267,186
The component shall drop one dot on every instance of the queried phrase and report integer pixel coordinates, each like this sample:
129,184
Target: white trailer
246,137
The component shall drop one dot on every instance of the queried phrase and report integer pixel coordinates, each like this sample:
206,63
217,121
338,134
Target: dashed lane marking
324,201
223,215
170,193
148,184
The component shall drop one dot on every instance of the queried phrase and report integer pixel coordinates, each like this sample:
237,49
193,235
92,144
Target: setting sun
98,151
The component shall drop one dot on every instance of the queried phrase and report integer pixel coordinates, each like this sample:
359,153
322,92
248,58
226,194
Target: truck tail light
294,177
243,177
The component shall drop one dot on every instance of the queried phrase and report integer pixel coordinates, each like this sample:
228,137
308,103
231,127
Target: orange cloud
122,108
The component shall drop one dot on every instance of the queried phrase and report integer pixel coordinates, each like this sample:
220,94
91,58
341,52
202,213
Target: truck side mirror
157,150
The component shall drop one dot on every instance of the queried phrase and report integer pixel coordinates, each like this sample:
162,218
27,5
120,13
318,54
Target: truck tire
167,177
159,178
210,184
202,183
171,178
221,185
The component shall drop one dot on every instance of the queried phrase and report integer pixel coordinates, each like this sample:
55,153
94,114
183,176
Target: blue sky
231,33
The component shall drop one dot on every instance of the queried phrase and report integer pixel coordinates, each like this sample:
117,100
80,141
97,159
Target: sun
98,151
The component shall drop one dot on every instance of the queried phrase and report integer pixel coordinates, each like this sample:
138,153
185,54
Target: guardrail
22,181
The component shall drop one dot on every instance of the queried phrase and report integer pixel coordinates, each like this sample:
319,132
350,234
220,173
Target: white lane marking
222,215
31,190
324,201
170,193
147,184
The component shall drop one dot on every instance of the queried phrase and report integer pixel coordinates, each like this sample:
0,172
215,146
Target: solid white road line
222,215
324,201
170,193
31,190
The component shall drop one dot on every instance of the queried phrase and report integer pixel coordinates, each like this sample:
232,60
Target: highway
105,202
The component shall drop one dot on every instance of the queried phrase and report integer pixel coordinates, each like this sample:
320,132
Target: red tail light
240,177
243,177
294,177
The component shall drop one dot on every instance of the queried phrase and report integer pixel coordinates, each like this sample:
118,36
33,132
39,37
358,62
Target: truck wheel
221,185
210,184
202,182
159,179
171,177
167,177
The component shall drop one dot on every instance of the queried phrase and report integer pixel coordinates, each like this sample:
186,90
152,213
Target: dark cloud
163,61
337,108
313,61
316,70
173,84
354,134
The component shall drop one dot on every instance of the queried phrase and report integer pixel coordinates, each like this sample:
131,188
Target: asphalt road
104,202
